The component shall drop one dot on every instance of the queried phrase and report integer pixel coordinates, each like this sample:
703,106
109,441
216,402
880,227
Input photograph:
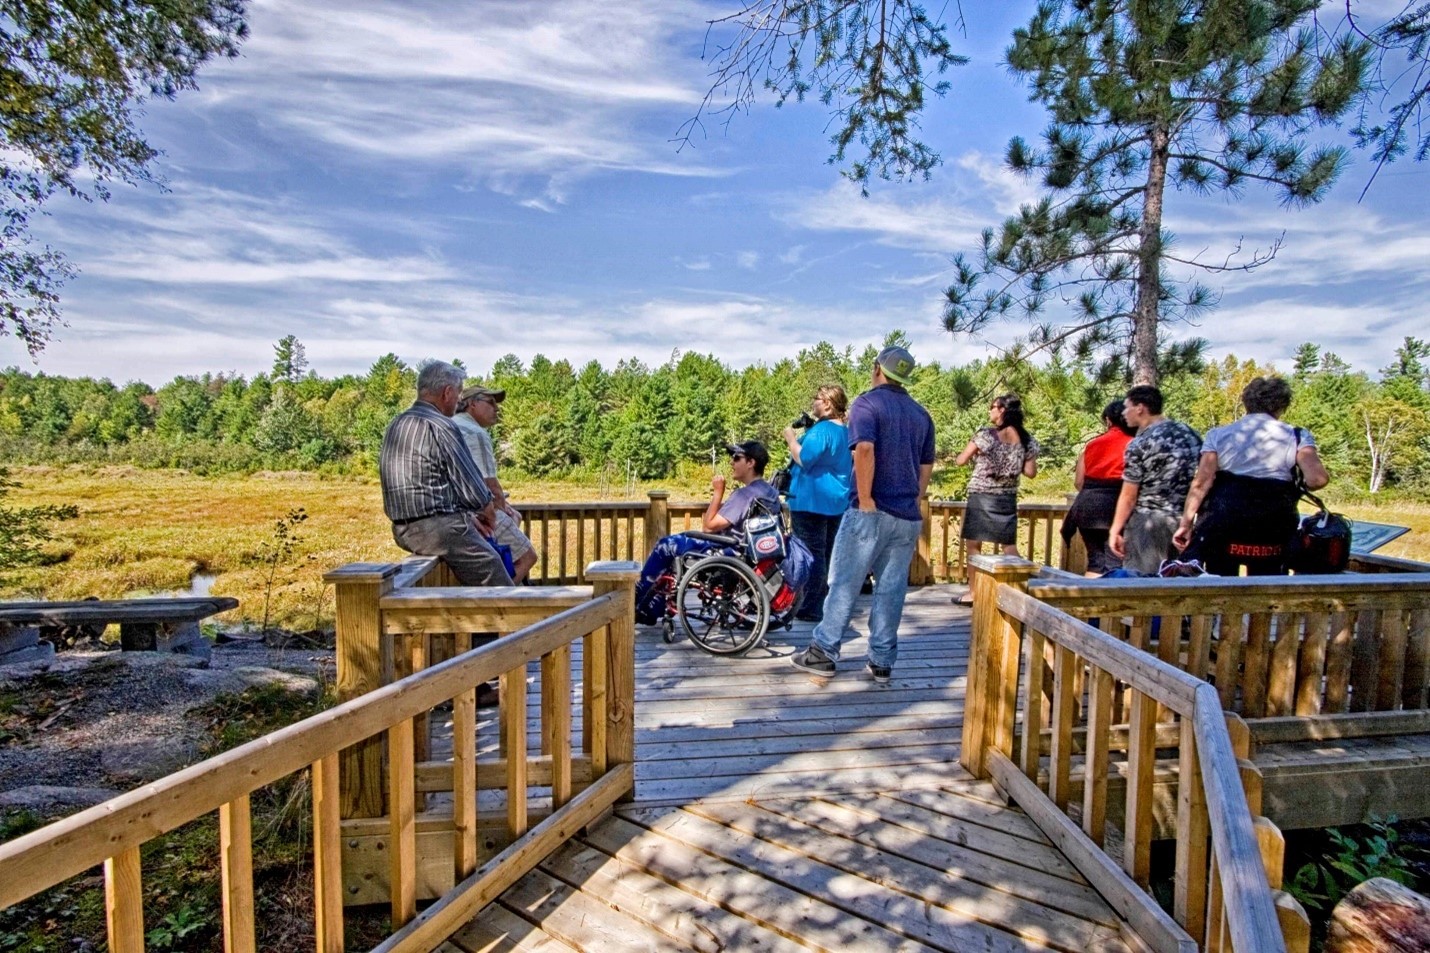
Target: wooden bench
156,625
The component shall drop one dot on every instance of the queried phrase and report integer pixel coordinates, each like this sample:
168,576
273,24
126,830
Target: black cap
754,450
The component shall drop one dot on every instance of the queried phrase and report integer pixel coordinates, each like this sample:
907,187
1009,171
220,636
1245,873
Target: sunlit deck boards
711,727
777,812
928,870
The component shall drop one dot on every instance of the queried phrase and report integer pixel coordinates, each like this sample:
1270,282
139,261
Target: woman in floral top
1001,453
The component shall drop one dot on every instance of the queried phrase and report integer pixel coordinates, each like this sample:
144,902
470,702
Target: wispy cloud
502,91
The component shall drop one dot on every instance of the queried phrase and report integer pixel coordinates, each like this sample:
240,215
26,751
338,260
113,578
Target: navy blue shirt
902,434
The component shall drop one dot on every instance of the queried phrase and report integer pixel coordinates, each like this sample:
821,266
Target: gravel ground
99,723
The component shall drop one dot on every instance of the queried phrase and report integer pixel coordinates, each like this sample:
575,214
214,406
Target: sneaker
880,673
814,661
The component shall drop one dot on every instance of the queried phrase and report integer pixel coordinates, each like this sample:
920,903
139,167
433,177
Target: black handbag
782,479
1321,543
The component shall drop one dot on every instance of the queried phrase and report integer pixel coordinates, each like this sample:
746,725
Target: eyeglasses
486,400
734,457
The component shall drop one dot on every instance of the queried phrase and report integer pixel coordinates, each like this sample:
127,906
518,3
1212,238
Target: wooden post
993,660
359,588
619,577
921,569
657,518
124,902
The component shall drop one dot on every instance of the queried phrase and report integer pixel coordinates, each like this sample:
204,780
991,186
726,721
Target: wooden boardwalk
774,811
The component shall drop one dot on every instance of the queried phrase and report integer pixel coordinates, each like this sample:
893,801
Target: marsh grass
147,531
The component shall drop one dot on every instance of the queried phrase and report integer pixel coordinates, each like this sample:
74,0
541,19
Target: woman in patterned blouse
1001,453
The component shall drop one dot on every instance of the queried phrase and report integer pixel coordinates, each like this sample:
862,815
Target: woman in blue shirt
819,488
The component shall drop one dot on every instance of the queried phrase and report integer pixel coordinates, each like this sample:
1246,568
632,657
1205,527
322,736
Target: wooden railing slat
402,821
1094,789
1033,707
556,720
464,774
327,856
1189,897
124,901
235,850
1311,666
1338,663
513,728
1285,654
1065,690
1392,660
1141,761
1417,661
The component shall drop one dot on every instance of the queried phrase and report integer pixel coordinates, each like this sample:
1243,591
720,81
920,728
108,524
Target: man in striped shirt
431,489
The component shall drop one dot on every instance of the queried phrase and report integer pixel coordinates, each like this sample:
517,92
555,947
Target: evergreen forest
637,422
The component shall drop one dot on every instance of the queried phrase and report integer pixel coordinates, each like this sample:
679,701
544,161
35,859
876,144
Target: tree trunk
1380,916
1149,261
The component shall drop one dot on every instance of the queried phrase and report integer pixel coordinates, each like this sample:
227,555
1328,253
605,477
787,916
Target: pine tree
1212,96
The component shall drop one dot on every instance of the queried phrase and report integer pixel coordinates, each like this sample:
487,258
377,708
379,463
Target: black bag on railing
1321,543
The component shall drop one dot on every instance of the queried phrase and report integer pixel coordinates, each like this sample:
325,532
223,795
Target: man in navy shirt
891,437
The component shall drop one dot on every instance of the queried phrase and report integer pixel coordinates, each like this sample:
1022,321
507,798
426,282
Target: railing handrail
41,859
1146,673
1204,590
1250,909
1247,897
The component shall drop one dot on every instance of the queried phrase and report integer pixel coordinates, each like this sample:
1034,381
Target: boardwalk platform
774,811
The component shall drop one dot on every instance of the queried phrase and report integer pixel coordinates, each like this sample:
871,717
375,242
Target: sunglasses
738,456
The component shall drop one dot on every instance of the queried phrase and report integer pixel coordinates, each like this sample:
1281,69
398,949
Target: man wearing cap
747,466
478,408
892,440
432,490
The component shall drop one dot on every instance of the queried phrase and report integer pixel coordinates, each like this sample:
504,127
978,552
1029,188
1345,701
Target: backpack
1321,543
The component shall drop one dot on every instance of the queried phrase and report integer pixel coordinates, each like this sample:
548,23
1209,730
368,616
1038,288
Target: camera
803,421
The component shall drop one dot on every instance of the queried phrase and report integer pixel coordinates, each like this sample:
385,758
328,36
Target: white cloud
749,260
502,91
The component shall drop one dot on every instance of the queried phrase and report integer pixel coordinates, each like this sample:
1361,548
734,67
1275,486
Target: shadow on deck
774,811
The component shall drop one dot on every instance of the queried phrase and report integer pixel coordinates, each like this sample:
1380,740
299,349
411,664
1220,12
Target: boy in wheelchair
754,497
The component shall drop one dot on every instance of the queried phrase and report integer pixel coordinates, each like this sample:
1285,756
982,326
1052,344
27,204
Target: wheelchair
726,599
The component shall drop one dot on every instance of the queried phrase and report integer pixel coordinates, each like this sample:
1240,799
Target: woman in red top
1098,478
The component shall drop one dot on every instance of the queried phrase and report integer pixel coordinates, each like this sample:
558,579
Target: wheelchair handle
715,538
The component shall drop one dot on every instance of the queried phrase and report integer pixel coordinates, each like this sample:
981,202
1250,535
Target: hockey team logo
766,545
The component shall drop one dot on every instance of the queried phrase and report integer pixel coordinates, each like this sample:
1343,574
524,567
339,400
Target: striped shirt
425,467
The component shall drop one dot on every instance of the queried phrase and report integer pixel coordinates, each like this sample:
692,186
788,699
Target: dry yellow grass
143,531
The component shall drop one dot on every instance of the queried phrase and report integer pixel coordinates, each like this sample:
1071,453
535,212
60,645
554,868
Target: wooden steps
946,870
775,811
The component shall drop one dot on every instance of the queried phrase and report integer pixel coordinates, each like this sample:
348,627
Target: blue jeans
877,543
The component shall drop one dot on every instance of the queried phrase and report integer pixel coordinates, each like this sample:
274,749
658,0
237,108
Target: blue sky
466,180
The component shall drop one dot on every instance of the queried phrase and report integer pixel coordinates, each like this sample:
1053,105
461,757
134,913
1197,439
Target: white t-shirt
479,442
1257,445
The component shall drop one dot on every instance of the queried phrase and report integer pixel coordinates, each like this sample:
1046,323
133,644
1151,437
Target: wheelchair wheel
722,606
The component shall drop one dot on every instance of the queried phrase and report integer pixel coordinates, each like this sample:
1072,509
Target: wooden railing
1069,675
1274,646
371,602
571,535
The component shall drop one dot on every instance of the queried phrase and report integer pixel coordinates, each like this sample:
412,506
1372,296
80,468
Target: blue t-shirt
737,507
820,484
902,434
